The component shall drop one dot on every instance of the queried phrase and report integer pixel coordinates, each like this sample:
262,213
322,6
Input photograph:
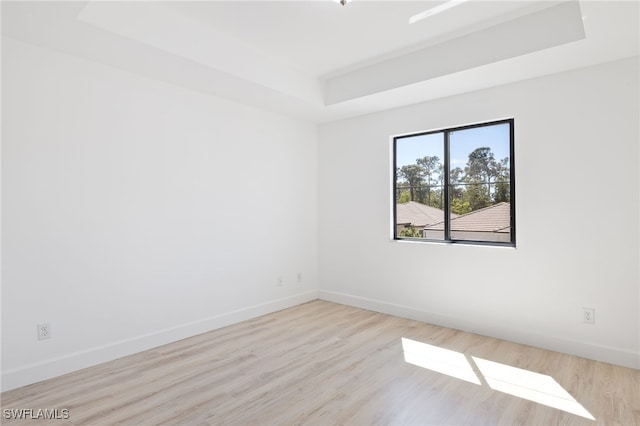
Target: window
456,185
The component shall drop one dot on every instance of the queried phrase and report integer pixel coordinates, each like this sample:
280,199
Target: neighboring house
417,214
488,224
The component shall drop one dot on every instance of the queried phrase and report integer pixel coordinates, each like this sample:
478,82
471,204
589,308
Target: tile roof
495,218
418,214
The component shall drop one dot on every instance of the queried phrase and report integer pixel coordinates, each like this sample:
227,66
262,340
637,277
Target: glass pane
480,177
419,186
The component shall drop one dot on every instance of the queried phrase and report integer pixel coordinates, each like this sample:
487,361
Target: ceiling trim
534,32
156,25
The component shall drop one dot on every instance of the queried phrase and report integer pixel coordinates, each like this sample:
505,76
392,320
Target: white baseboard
602,353
54,367
68,363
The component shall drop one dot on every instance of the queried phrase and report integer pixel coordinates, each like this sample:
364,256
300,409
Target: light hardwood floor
323,364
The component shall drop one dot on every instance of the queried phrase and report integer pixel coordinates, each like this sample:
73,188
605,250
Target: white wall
136,213
577,194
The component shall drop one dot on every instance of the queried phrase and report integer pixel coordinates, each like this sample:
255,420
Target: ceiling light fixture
435,10
342,2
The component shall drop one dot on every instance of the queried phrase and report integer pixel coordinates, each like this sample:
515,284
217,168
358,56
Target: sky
461,142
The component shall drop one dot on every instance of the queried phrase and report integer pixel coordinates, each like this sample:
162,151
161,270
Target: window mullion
447,206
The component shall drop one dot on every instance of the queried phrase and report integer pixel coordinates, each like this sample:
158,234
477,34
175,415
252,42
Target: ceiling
321,61
322,37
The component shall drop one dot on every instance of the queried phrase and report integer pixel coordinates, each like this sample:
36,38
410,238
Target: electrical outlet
589,315
44,330
299,277
280,280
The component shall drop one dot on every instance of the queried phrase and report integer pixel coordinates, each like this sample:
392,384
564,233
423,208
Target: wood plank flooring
327,364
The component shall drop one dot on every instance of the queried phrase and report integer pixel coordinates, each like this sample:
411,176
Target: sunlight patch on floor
529,385
438,359
525,384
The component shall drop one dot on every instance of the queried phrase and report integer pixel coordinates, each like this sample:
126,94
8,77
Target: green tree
502,192
403,196
410,231
459,206
437,198
481,166
412,174
476,195
431,172
456,191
